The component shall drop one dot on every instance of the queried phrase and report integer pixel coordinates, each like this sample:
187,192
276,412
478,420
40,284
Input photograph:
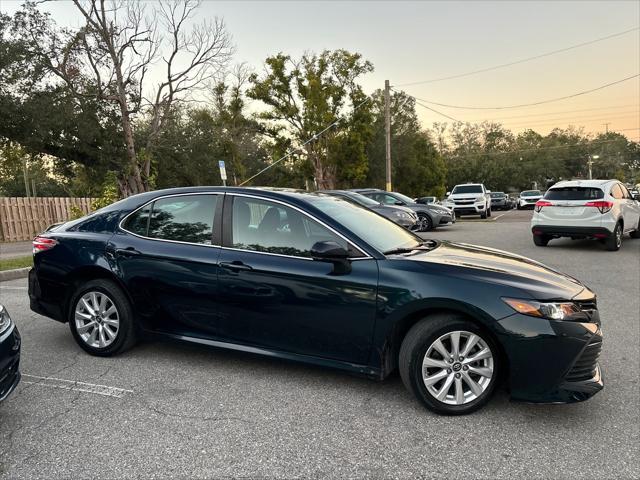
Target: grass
18,262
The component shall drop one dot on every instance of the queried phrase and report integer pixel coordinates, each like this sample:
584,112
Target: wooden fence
22,218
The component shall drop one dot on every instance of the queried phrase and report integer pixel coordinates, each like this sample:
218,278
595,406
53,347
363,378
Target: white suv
469,199
601,209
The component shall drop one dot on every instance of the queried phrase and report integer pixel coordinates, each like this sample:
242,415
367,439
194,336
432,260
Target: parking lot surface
176,410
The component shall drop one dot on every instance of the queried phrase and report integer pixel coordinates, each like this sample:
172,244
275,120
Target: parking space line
76,386
12,287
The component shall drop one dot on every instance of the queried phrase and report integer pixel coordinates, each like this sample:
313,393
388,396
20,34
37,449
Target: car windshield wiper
426,246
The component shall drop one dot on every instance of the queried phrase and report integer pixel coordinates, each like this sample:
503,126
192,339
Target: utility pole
387,131
606,127
590,162
25,173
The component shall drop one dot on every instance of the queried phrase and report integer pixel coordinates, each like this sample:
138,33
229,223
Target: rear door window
574,193
187,218
616,192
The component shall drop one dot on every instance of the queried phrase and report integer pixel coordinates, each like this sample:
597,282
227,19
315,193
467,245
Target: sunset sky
415,41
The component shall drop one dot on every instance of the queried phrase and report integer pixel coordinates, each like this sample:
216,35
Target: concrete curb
14,274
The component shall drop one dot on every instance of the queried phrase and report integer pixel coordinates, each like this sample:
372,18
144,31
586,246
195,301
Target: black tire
614,241
636,232
416,345
125,336
483,215
488,212
541,240
426,222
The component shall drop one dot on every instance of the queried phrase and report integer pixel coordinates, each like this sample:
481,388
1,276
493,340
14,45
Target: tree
305,96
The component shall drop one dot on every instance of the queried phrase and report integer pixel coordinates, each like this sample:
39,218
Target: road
173,410
15,249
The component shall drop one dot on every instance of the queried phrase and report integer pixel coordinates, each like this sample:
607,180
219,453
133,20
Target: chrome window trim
350,242
164,239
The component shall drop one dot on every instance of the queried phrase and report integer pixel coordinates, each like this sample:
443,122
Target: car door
273,295
630,209
166,254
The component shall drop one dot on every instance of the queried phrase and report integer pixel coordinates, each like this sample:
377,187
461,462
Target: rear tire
636,232
101,319
614,241
541,240
449,386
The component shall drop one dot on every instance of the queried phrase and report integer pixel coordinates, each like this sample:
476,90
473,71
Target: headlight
5,320
402,215
479,199
551,311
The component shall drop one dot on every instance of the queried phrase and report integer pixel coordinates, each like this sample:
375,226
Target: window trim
216,214
230,196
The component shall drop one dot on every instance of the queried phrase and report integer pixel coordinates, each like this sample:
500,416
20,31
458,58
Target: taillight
542,203
40,244
602,205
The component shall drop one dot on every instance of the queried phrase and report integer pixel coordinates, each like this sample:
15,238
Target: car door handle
236,265
127,252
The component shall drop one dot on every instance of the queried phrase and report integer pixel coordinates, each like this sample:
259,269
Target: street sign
223,172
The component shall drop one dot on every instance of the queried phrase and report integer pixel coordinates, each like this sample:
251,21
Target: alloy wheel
618,236
97,320
458,367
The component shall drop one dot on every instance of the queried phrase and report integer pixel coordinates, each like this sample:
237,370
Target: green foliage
110,193
13,263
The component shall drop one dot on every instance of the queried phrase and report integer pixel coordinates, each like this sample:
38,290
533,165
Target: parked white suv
528,198
469,199
600,209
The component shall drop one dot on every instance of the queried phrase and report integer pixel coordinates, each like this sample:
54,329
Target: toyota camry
314,278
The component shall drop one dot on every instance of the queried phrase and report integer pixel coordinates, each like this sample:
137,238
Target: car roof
583,183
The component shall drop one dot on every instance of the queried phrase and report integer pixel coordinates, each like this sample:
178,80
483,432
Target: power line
439,112
612,107
316,136
601,87
504,65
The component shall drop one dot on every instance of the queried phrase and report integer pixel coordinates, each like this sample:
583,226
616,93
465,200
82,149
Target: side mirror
448,193
331,252
398,202
488,191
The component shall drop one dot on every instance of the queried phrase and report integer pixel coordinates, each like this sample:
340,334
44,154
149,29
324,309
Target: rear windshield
468,189
574,193
530,193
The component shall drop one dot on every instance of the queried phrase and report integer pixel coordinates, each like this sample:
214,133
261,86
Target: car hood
459,196
497,266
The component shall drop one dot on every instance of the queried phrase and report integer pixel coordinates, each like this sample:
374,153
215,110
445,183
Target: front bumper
551,361
466,209
9,362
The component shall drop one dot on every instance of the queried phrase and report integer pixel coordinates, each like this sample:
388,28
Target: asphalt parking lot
174,410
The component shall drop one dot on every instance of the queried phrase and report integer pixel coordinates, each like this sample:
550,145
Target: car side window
138,222
186,218
270,227
616,192
389,200
625,192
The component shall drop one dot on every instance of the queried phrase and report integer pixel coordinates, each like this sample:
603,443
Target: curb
14,274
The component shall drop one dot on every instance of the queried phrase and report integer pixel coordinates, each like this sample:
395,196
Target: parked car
469,199
430,216
9,354
403,216
528,199
426,200
317,279
499,201
599,209
513,201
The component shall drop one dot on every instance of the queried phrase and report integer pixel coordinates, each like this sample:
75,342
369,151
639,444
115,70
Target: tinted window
467,189
138,222
187,218
98,223
270,227
574,193
374,229
531,193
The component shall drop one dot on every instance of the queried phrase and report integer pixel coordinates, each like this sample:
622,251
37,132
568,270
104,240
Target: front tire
101,319
449,364
636,232
614,241
426,223
483,215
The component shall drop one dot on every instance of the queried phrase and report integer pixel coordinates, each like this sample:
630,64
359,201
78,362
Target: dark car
430,216
499,201
403,216
314,278
9,354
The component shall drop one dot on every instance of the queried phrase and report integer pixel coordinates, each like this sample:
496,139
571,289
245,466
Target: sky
413,41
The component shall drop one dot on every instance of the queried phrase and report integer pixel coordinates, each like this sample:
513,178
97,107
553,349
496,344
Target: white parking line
76,386
12,287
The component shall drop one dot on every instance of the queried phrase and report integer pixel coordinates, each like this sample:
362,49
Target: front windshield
467,189
404,198
497,195
377,231
531,193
